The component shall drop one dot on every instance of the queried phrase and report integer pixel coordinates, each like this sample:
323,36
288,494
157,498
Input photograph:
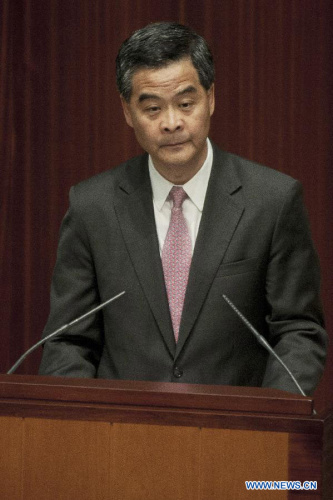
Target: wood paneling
66,460
153,462
94,461
11,460
96,449
304,463
229,458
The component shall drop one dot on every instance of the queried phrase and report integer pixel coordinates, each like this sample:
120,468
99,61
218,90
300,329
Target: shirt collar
195,188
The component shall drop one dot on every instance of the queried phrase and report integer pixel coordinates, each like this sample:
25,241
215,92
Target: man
177,228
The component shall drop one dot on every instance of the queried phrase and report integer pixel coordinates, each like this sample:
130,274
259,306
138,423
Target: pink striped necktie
176,258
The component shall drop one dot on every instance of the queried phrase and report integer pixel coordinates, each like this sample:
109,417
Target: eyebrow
145,97
188,90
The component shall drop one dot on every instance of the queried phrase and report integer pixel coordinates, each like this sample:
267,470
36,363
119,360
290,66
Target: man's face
170,112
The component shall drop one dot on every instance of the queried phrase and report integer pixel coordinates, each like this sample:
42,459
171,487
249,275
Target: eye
152,110
186,105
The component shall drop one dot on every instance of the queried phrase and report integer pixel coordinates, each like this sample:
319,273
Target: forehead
166,80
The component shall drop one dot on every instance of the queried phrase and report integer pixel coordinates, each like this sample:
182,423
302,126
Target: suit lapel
222,211
221,214
135,213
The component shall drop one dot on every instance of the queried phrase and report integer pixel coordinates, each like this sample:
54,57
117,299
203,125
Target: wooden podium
77,439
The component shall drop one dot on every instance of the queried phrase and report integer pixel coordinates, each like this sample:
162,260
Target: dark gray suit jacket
253,245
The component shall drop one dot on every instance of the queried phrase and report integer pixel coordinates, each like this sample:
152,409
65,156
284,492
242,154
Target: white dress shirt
195,189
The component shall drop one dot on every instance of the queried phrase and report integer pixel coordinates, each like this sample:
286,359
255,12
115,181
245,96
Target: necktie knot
178,195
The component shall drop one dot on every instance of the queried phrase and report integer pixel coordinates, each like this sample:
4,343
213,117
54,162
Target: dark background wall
61,121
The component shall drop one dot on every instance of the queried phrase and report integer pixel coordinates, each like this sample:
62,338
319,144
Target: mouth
174,144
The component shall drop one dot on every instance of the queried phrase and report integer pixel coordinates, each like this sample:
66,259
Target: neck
181,173
178,175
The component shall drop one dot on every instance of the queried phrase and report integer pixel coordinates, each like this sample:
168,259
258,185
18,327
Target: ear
127,111
211,99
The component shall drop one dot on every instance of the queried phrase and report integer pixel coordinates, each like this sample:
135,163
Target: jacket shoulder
255,177
95,188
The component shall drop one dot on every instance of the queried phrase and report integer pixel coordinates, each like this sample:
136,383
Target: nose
171,121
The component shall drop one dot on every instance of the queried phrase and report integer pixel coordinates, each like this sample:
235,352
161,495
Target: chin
177,161
180,158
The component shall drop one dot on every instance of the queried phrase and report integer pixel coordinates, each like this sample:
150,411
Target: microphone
62,330
263,342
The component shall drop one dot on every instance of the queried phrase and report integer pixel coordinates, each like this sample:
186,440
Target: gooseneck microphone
263,342
62,330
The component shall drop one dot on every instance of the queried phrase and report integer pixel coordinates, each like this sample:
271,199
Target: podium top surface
154,394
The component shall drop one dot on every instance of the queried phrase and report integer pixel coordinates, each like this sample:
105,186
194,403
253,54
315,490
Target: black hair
159,44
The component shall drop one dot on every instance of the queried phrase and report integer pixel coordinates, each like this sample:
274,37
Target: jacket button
177,372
